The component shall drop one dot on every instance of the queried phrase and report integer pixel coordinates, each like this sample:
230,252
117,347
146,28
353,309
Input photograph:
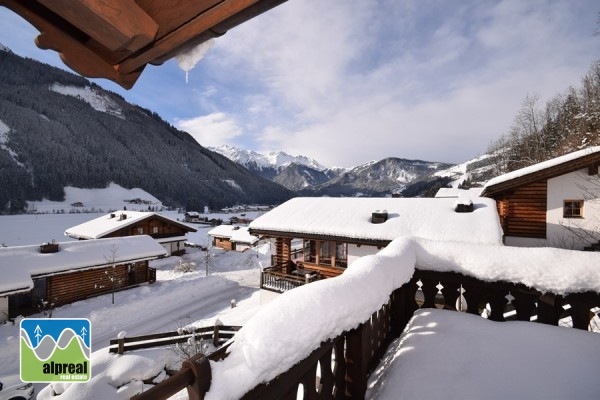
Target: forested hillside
570,121
50,139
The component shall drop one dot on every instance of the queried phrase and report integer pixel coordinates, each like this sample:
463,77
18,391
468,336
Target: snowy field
177,299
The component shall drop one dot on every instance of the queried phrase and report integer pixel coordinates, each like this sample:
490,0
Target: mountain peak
4,48
276,159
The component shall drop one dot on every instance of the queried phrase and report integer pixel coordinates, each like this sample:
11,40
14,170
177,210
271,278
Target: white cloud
214,129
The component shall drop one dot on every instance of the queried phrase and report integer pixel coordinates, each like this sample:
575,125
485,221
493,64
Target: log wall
522,211
79,285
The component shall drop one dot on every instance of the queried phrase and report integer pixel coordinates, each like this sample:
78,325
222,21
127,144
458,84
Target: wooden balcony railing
340,367
272,279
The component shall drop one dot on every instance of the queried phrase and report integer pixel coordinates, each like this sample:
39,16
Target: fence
219,334
340,367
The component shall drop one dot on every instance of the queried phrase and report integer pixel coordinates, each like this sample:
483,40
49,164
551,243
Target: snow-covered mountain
266,165
308,177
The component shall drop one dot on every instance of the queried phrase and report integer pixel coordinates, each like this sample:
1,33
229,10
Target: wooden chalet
232,237
554,203
116,39
35,278
166,231
319,238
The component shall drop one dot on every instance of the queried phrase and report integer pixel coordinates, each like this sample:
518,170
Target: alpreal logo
55,350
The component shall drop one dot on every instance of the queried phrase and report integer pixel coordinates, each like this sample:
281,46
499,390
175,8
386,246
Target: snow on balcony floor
451,355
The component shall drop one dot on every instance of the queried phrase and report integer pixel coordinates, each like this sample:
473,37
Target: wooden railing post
548,309
357,361
202,377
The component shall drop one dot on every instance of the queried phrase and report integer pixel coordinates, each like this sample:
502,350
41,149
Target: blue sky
349,81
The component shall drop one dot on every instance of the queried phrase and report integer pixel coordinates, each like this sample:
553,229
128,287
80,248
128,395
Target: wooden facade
523,197
58,289
153,226
116,39
522,211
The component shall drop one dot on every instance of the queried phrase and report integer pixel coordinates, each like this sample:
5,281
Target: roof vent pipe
379,216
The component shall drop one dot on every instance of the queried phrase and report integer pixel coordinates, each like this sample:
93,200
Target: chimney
112,215
122,216
379,216
463,205
49,247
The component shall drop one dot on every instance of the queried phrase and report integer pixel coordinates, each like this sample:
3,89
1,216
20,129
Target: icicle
188,59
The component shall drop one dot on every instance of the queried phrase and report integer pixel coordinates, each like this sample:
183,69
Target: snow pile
295,323
285,330
481,359
548,269
115,376
98,101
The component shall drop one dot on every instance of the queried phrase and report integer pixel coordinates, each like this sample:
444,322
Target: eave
586,161
315,236
116,39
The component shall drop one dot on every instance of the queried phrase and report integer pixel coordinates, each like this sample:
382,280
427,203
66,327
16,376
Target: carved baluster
429,291
524,304
473,296
497,302
339,368
451,291
326,382
549,308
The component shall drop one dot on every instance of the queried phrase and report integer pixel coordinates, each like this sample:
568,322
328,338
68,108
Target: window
155,229
573,209
341,255
325,253
140,231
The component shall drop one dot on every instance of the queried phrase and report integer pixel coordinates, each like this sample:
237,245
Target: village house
232,237
554,203
166,231
53,274
192,216
320,237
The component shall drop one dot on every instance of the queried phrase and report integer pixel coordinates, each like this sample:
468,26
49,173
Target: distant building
192,216
553,203
232,237
168,232
332,233
61,273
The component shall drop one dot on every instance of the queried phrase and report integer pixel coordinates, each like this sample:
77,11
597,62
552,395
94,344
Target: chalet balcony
330,339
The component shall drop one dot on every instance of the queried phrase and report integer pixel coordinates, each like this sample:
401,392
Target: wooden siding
223,243
79,285
522,211
283,254
163,229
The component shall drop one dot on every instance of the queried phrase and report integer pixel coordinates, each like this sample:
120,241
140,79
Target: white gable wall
355,252
573,233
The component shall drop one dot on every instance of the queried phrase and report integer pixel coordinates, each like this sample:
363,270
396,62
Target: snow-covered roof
18,264
542,166
350,218
192,213
235,234
455,192
106,224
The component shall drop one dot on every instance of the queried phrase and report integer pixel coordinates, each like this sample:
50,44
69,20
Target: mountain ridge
53,135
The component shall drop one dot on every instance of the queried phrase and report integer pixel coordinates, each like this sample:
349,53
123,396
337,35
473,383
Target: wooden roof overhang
591,161
313,236
116,39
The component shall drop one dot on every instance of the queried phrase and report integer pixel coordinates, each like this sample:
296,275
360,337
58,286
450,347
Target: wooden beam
185,33
116,24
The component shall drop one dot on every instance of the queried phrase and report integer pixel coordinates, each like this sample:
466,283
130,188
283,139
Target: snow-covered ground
177,299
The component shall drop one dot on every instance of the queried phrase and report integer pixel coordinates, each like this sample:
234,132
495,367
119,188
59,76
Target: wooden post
121,345
216,335
357,362
202,377
548,309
